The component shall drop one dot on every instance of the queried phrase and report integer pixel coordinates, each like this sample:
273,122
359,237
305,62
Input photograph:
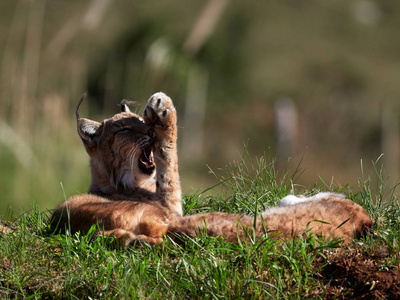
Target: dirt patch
362,274
7,227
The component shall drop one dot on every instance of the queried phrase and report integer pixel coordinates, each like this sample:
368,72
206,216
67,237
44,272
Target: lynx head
120,150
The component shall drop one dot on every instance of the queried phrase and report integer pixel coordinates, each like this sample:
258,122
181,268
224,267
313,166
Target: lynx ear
125,105
88,130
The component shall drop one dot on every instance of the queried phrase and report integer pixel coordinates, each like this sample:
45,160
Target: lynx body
135,193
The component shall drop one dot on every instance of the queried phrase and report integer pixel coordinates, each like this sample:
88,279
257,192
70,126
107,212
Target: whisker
139,110
131,157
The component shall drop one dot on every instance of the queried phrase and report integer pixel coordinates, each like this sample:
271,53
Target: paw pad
158,110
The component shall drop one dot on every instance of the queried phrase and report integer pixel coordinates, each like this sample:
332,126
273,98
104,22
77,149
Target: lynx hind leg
151,232
160,112
140,239
292,199
123,237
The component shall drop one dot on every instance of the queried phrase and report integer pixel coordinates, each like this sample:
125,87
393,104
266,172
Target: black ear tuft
79,104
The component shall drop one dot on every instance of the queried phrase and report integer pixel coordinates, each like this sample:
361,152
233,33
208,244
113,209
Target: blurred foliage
337,60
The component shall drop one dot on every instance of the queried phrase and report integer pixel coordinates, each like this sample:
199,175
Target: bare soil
362,274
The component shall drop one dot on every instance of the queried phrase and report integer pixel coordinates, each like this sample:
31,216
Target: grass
34,263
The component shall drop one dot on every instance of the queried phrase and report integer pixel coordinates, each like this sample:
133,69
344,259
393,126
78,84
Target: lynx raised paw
160,112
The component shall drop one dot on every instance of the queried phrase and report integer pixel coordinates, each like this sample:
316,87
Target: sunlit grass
35,263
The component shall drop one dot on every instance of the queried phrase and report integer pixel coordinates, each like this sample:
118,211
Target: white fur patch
292,199
141,179
126,179
89,128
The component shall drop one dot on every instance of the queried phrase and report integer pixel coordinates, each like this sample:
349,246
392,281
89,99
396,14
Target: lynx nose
150,132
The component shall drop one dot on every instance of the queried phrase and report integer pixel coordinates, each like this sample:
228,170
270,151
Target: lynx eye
122,131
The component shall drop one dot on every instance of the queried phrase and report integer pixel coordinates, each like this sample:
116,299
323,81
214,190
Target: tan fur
123,200
289,221
134,206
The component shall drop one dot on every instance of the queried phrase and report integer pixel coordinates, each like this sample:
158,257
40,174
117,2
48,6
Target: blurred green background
319,79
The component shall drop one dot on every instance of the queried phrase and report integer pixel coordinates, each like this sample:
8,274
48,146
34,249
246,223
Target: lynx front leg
126,238
161,114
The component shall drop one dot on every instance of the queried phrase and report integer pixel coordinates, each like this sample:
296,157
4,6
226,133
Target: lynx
135,192
135,188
